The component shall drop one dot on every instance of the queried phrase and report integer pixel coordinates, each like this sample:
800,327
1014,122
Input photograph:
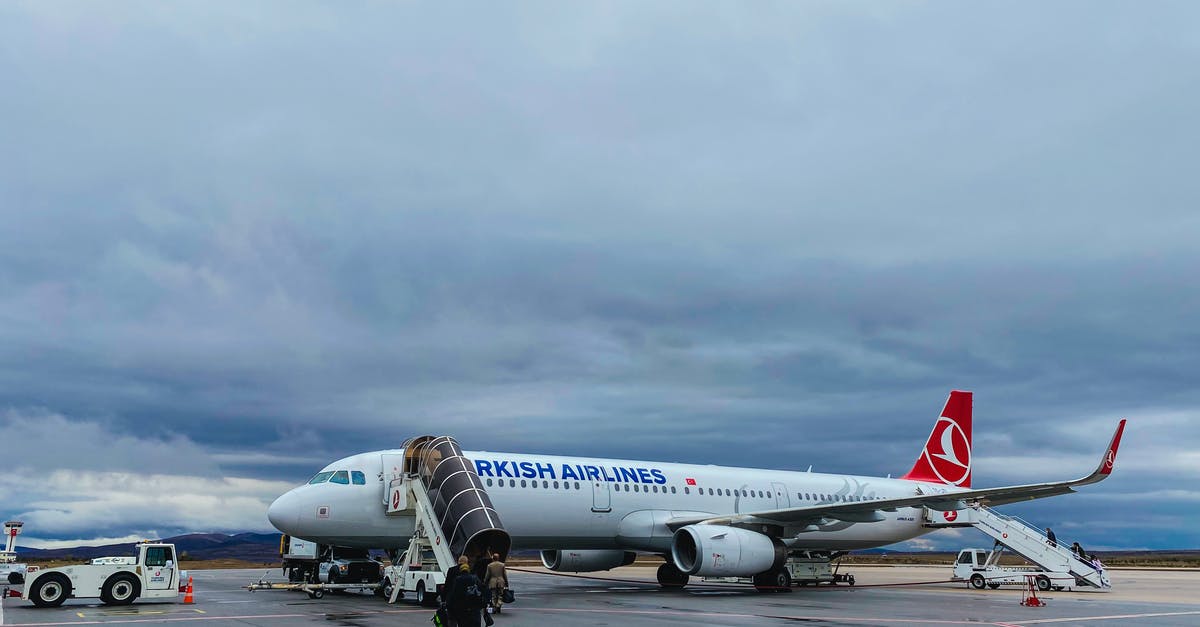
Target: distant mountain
253,547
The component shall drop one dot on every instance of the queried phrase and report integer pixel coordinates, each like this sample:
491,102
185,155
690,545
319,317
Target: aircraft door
601,496
395,491
782,499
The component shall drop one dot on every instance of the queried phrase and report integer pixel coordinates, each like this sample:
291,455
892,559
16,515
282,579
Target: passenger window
512,483
672,489
555,485
710,491
341,477
685,490
522,483
545,484
320,477
358,478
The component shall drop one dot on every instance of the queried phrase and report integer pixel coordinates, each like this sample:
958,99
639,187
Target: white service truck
153,573
981,568
422,576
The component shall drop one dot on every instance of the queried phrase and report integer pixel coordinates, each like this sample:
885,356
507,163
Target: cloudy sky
238,241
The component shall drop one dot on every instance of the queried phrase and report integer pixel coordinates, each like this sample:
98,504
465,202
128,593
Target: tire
120,589
671,577
978,582
51,590
1043,583
850,579
777,581
424,597
316,594
385,589
16,579
993,586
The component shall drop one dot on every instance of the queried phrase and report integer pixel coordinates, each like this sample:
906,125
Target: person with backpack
465,599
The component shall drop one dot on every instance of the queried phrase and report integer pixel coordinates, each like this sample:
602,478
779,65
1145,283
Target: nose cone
284,513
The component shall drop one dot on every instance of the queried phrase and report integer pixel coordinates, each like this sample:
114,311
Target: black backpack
468,591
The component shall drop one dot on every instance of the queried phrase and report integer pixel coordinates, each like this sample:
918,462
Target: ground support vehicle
801,568
154,574
316,569
420,570
11,571
980,568
1022,538
809,568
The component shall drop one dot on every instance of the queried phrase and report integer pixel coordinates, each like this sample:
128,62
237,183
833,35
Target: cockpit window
321,477
341,477
358,477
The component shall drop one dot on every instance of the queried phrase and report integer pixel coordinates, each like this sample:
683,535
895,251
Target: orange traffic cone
187,594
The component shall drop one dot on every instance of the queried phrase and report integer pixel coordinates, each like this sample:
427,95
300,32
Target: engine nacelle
572,561
719,551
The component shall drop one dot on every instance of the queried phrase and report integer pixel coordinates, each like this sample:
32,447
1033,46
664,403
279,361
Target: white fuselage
553,502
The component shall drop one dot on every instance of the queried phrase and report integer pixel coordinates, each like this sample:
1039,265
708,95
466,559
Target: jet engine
586,561
719,551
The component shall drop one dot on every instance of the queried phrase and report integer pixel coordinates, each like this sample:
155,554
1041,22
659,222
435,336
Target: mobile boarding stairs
1023,539
435,483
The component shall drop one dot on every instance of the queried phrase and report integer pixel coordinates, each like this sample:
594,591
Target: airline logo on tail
947,455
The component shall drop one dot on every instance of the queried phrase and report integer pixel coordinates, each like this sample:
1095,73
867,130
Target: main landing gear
773,581
671,577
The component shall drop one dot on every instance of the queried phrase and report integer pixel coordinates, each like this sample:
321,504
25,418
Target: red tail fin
947,455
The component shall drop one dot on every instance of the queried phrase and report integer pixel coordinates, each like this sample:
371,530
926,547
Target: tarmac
884,595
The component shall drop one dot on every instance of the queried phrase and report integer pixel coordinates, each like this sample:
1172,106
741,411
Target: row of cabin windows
836,497
626,487
339,476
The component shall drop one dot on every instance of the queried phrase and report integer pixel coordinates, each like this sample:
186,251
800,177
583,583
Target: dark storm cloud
281,234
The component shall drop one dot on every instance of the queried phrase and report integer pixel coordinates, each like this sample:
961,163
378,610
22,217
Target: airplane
704,520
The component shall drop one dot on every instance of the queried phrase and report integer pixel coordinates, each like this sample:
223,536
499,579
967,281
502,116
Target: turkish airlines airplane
588,514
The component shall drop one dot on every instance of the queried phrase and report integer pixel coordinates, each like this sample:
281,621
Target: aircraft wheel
777,581
978,582
1043,583
671,577
51,590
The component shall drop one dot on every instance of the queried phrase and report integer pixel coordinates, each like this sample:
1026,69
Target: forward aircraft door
782,499
601,496
395,493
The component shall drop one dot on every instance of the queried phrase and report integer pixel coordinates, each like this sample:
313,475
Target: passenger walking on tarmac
465,599
1050,539
451,574
496,581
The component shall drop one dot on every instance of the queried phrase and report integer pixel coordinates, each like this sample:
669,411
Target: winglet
1108,461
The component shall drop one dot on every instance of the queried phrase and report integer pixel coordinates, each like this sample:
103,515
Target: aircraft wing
872,510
